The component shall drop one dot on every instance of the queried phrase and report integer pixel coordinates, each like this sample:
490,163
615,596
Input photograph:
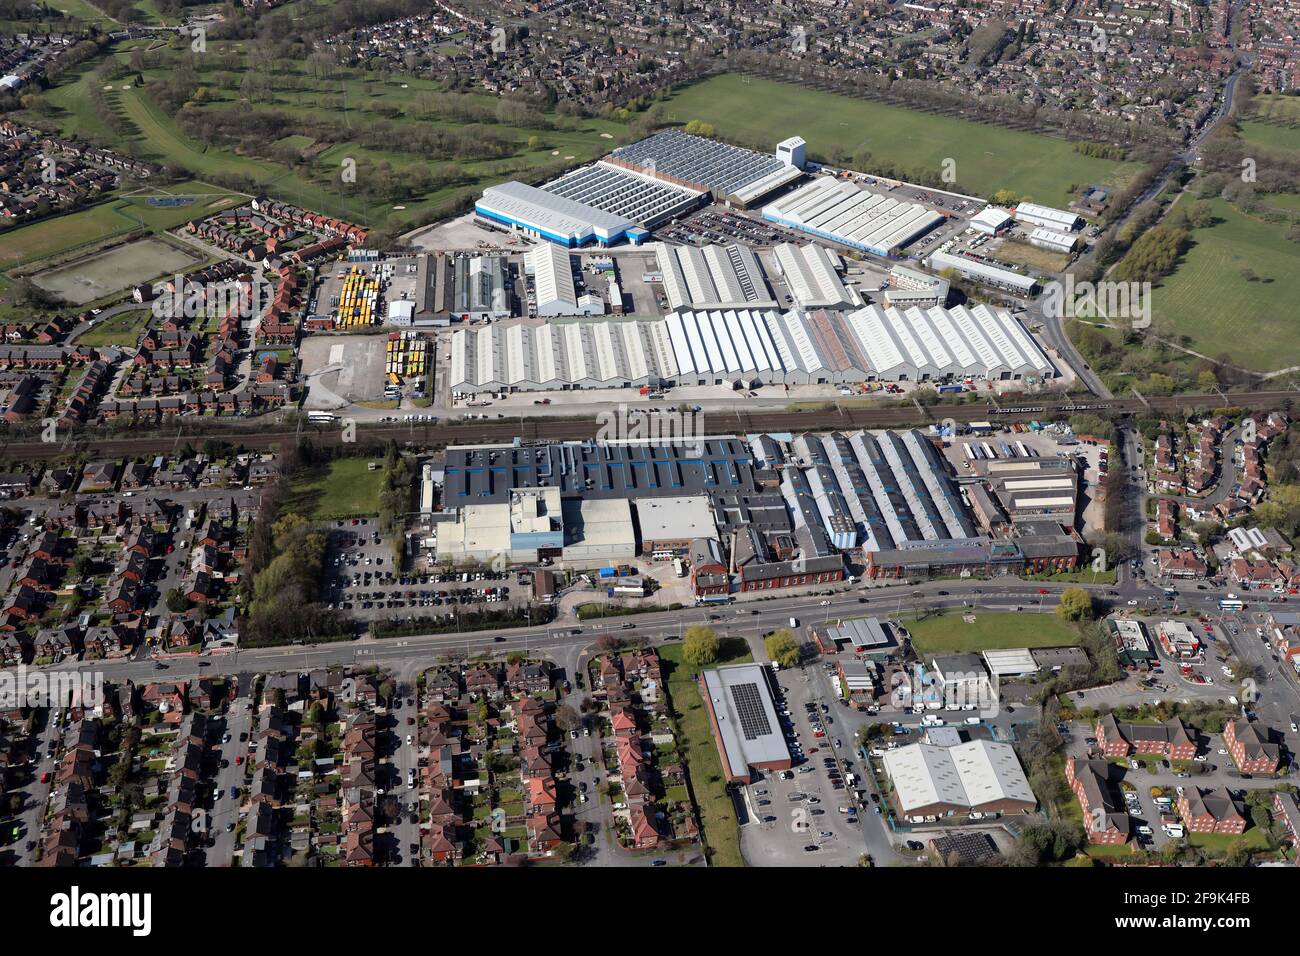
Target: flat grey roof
746,717
548,211
862,632
719,166
623,193
480,474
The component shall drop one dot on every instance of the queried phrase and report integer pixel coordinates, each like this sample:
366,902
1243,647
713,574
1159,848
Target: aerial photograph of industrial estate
549,434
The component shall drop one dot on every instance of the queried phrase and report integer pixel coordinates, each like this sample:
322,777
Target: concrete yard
342,369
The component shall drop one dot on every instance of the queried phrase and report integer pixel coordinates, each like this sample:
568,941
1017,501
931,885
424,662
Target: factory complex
761,276
638,187
745,513
747,347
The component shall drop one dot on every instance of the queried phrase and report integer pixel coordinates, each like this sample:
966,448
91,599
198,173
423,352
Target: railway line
503,430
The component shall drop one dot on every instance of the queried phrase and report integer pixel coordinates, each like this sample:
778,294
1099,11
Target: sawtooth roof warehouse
782,507
746,347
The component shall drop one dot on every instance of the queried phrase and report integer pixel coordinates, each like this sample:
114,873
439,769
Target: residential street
225,812
404,768
35,795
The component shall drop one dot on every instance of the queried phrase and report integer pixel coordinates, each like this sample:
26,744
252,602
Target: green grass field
357,97
107,220
1210,298
1254,838
1109,852
317,184
1273,121
988,158
160,140
718,824
1282,202
123,329
949,634
343,488
1271,135
79,8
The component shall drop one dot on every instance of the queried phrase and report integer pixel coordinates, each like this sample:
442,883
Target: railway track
504,430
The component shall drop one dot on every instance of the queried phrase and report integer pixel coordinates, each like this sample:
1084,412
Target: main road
741,619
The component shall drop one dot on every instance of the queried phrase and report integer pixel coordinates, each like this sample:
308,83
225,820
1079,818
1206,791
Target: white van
794,622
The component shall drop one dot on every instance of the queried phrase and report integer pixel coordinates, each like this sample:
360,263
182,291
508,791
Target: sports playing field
102,273
50,237
1212,297
988,158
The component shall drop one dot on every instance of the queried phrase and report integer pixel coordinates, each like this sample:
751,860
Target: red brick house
644,835
1210,811
441,849
1249,745
543,832
1169,739
359,848
1104,817
1287,812
708,571
483,679
541,795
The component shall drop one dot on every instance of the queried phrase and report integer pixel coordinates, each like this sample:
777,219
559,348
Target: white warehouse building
981,271
747,347
810,272
991,221
1048,217
714,277
1053,240
841,211
555,218
555,291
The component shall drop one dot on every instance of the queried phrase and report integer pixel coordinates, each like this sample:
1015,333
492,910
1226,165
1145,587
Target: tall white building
793,152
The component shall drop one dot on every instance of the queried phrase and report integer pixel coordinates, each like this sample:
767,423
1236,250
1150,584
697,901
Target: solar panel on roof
749,708
698,160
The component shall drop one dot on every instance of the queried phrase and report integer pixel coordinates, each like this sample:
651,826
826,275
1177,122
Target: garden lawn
949,634
123,329
1254,838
